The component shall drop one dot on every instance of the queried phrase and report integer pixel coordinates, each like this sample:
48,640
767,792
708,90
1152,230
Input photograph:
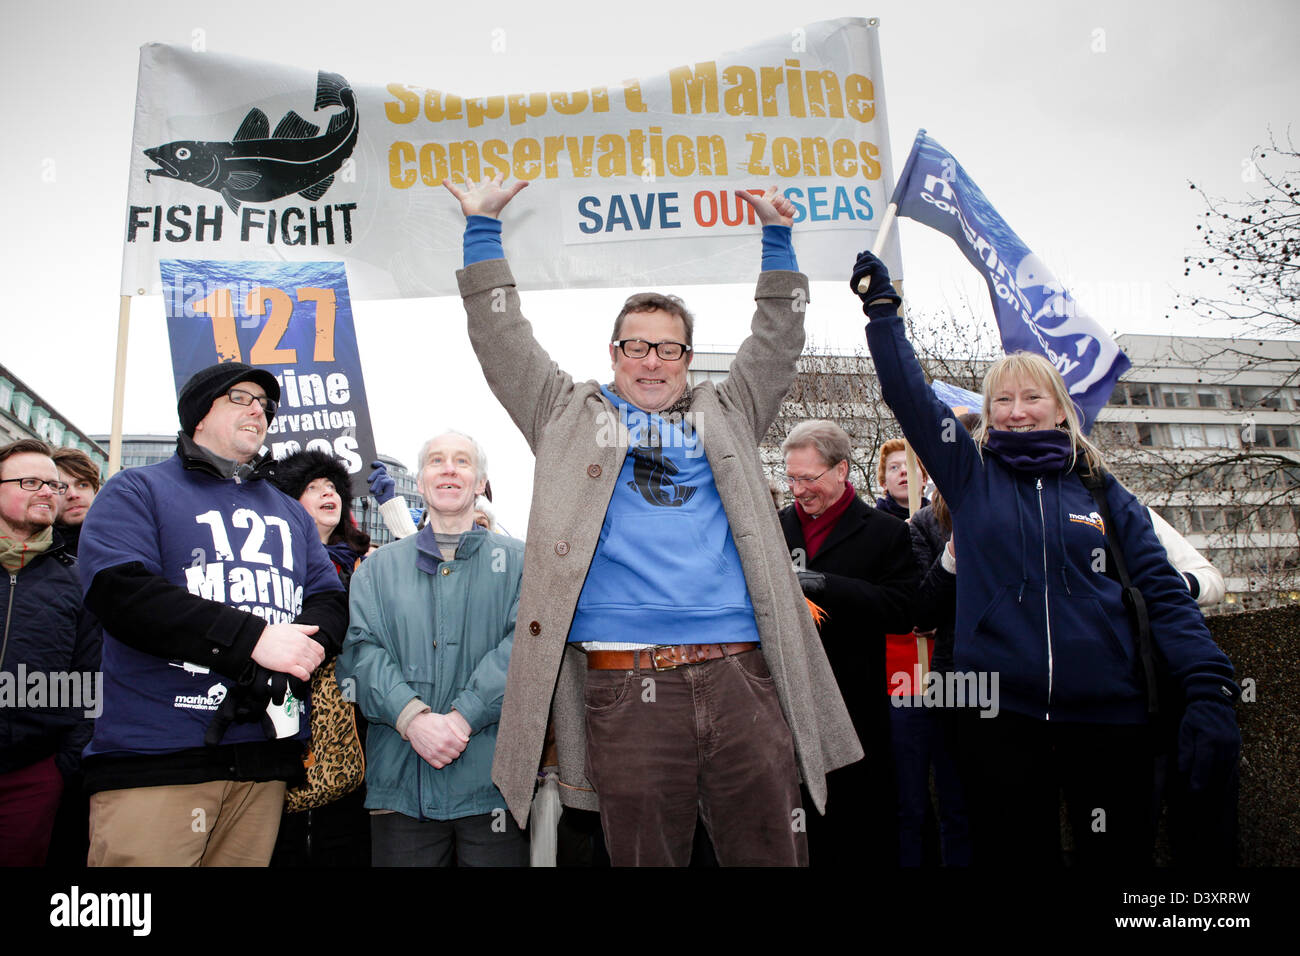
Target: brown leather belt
664,657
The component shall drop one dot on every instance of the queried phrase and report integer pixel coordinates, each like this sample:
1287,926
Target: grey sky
1082,122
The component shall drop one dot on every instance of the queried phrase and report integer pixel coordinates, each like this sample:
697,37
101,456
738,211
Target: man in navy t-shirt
218,602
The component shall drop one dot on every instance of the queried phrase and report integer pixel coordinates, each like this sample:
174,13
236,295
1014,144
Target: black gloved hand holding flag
879,301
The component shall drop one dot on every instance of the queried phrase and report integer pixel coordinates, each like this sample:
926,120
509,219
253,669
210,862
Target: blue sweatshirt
1034,601
241,543
666,569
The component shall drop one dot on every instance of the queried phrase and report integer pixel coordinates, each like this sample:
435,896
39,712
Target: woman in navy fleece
1041,620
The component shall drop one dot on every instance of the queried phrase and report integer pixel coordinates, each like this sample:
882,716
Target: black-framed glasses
241,397
34,484
792,480
640,348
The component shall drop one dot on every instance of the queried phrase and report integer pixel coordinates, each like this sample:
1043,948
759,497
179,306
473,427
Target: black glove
277,685
812,582
246,702
1209,743
299,688
880,301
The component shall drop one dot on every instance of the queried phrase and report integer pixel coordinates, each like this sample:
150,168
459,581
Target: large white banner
239,159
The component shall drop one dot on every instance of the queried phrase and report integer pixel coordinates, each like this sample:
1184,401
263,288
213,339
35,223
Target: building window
1179,518
1219,436
1153,436
1277,518
1139,394
1255,396
1267,436
1234,519
1208,479
1187,436
1175,396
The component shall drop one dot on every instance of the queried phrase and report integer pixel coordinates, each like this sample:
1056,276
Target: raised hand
382,485
487,198
772,208
870,283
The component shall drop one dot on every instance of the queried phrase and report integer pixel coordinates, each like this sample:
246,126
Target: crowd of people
704,679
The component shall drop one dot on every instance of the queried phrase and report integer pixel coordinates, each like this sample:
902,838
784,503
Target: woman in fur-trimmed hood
321,484
338,833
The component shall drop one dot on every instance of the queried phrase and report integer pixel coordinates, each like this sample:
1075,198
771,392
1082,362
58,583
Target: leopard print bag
335,762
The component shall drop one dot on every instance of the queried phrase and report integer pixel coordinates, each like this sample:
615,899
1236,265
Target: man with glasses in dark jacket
49,652
855,562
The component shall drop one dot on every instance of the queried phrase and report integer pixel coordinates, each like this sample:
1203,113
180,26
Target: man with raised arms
657,589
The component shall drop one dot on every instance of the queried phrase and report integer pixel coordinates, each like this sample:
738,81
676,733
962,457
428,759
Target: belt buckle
654,659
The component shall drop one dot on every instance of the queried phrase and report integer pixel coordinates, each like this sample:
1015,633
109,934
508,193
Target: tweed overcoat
580,445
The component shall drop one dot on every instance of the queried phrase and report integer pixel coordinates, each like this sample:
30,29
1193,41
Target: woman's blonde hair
1036,368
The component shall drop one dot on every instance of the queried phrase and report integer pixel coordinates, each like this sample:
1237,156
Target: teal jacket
440,631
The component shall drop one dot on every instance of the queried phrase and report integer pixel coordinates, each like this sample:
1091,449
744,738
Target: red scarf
816,530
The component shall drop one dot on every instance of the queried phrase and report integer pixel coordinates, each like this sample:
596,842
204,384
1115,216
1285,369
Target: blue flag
1035,313
958,399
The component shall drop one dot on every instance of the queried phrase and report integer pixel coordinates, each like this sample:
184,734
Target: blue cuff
778,250
482,239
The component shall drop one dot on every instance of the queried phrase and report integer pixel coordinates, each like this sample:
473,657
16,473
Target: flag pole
886,226
891,211
119,386
913,469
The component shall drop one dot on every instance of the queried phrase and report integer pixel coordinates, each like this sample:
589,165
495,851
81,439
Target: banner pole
913,479
913,506
119,387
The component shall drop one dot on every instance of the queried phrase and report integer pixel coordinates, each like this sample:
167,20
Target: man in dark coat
49,656
854,562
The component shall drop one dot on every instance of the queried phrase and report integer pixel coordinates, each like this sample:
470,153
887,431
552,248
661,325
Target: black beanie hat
294,473
205,385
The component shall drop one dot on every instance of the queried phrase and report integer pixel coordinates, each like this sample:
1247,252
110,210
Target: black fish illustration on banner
258,165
